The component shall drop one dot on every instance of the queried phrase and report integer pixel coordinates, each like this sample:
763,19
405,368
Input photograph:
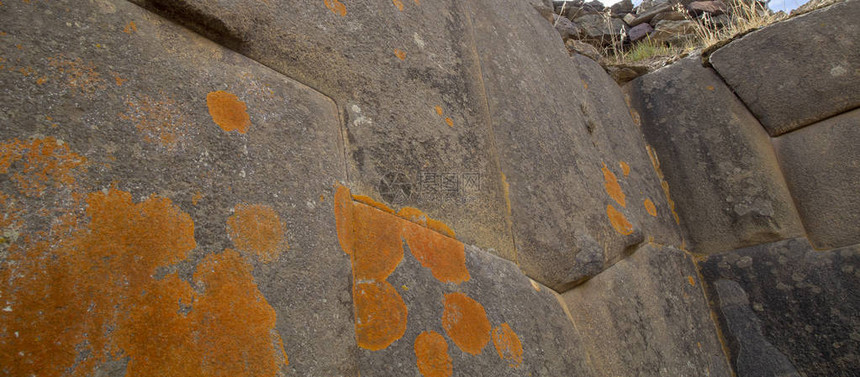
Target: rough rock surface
165,153
784,307
647,315
719,163
821,163
407,83
797,72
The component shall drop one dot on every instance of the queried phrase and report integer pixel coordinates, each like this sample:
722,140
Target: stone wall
381,188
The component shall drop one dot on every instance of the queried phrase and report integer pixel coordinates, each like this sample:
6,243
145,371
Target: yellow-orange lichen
439,110
655,162
373,203
398,4
228,112
377,247
612,186
39,164
691,281
650,207
508,345
400,54
444,256
336,6
618,220
129,28
625,168
160,121
78,73
449,122
431,353
256,229
465,321
380,314
418,216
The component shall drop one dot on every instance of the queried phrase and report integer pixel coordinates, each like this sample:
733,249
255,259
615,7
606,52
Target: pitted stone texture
647,316
551,345
407,83
786,309
821,164
615,133
718,161
551,160
128,90
797,72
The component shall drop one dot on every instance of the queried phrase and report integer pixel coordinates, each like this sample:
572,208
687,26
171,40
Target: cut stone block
566,184
786,309
407,84
821,164
797,72
717,160
166,189
647,316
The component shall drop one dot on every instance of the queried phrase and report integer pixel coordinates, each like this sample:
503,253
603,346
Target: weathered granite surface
716,158
821,164
647,316
165,201
797,72
406,80
786,309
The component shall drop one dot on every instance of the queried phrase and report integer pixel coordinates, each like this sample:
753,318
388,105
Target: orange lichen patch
650,207
373,203
625,169
439,110
380,314
129,28
87,293
449,122
398,4
27,71
710,87
343,214
692,281
228,112
195,197
465,322
377,247
400,54
336,6
256,229
431,352
78,73
417,216
612,186
119,80
236,323
508,345
39,164
618,220
41,80
665,185
159,121
444,256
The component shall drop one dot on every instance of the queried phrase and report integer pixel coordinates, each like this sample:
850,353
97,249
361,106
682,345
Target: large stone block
406,80
647,316
427,303
566,185
166,203
786,309
799,71
821,164
716,158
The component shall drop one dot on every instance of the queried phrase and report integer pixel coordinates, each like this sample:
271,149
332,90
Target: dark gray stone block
821,164
717,160
786,309
797,72
647,316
